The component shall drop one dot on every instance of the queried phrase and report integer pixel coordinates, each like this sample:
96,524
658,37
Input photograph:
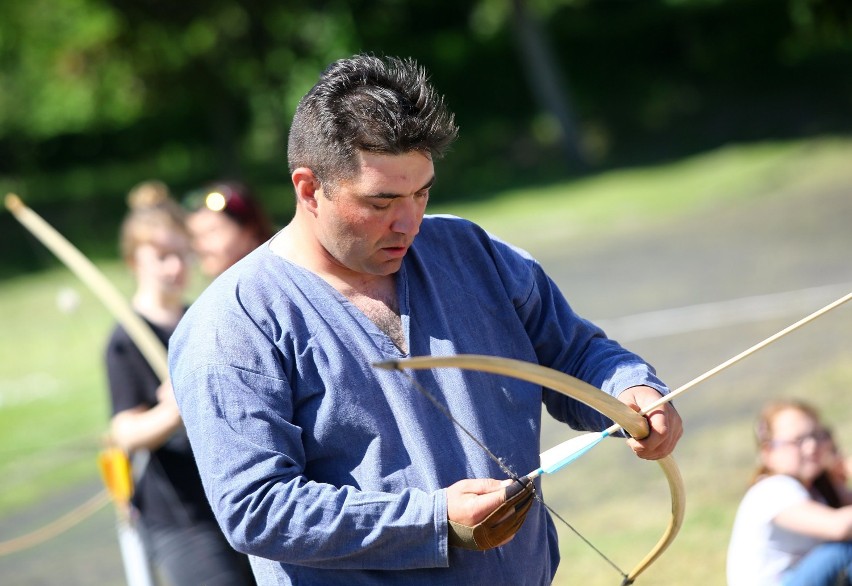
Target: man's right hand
485,513
471,500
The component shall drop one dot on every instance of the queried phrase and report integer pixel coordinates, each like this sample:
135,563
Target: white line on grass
26,389
707,316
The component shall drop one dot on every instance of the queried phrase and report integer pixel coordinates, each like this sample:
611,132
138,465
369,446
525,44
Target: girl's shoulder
778,487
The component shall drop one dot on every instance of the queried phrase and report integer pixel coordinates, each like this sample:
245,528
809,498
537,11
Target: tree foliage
96,95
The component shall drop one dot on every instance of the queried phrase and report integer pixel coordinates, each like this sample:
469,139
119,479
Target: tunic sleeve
243,424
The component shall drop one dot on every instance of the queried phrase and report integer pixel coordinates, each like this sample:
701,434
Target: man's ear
307,188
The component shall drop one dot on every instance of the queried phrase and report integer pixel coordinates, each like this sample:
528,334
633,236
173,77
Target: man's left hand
664,422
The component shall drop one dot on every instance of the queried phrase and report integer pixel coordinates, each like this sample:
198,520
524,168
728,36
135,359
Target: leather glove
501,524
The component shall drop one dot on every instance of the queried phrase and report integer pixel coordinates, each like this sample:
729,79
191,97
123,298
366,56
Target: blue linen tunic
328,471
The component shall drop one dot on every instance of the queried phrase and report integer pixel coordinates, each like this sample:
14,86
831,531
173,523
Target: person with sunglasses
793,527
226,222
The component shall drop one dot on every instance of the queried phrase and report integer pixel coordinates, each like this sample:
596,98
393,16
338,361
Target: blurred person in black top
181,536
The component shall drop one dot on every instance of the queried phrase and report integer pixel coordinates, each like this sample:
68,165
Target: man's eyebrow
383,195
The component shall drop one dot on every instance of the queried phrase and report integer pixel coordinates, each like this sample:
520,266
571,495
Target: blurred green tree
96,95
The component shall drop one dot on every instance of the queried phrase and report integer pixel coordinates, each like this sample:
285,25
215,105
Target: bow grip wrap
501,524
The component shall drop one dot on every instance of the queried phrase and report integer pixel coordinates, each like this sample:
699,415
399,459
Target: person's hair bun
148,194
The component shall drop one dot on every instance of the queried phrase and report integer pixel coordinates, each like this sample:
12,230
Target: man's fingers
501,524
664,424
480,486
665,431
471,500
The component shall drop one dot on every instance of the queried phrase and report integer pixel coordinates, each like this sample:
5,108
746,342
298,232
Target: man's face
366,224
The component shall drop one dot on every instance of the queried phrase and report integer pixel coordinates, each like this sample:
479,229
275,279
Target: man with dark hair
328,471
365,104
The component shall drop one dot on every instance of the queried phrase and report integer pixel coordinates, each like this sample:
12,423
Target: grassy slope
53,404
52,385
645,197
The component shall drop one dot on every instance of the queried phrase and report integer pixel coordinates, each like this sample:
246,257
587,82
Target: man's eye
380,206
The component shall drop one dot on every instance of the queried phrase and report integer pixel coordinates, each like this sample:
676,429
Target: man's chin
385,268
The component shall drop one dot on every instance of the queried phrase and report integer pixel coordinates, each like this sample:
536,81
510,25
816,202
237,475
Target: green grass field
54,406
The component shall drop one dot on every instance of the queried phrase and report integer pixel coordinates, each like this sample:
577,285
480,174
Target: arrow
563,454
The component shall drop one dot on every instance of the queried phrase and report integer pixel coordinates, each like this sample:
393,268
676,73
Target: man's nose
407,218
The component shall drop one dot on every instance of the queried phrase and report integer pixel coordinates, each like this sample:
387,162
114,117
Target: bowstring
505,467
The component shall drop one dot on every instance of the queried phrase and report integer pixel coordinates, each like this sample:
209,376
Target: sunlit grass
644,198
53,401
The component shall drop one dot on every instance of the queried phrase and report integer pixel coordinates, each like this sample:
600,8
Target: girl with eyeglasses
794,524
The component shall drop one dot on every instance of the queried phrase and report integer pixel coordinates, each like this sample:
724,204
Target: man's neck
374,295
290,244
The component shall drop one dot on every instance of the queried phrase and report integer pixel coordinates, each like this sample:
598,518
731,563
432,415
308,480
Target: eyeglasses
817,436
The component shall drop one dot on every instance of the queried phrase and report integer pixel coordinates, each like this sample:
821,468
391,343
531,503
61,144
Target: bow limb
635,424
139,331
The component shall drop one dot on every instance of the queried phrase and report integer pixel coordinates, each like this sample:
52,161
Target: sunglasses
227,198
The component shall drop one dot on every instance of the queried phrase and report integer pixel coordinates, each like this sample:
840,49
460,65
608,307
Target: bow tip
13,202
